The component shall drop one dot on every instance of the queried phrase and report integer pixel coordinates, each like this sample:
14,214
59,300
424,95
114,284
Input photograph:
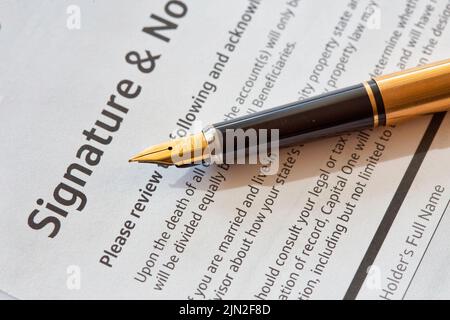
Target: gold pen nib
181,151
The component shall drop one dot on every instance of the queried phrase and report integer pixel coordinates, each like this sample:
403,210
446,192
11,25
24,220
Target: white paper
61,63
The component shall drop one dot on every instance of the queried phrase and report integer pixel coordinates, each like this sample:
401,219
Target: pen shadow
312,157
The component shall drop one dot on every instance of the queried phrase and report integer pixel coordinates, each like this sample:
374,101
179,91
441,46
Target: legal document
85,86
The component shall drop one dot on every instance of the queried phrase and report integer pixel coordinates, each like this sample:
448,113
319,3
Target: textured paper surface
57,78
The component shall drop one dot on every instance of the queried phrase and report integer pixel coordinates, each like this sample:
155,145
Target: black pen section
329,114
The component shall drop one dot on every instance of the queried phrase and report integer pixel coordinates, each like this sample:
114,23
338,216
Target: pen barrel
417,91
328,114
380,101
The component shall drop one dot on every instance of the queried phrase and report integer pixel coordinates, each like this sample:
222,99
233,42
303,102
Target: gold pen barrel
377,102
417,91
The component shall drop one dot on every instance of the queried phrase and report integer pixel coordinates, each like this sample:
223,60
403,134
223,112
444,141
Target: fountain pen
383,100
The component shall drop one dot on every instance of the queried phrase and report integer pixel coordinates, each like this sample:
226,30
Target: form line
425,251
